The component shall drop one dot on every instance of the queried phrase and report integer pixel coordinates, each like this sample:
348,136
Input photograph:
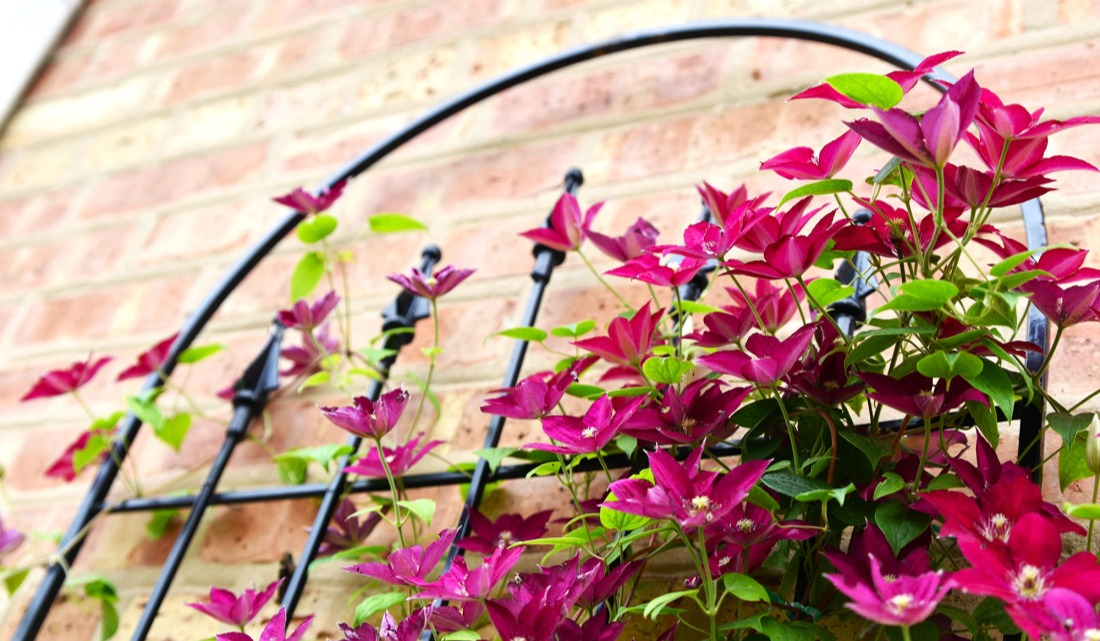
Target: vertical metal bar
403,313
261,377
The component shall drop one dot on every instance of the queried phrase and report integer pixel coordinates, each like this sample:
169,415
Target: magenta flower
489,535
568,227
275,630
768,226
870,543
907,80
346,530
775,306
724,207
236,610
800,162
969,188
64,467
1065,615
628,341
150,360
742,541
669,270
369,419
62,381
461,583
918,395
684,493
10,539
890,233
304,316
306,203
399,459
408,566
537,395
767,359
306,358
700,410
638,237
410,629
930,139
897,600
790,256
724,328
590,433
434,286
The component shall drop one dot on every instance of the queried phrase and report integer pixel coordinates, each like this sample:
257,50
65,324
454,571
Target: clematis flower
10,539
568,227
918,395
539,604
870,543
347,531
306,358
537,395
1065,615
1024,571
305,316
800,162
367,418
726,207
823,375
775,306
399,459
890,232
150,360
723,328
744,539
969,188
431,287
410,629
698,411
628,341
669,270
638,237
930,139
305,202
62,381
790,256
489,535
901,600
588,434
906,79
684,493
766,360
237,610
64,467
452,618
768,226
459,582
275,630
408,566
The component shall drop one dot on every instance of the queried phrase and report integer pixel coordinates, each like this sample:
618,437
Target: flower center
831,386
589,432
724,561
899,603
687,425
1029,582
745,525
997,527
699,504
431,281
1092,634
889,578
671,261
504,538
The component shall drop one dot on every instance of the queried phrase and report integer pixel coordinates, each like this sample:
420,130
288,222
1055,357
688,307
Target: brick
633,16
645,150
437,18
166,182
361,37
71,618
943,26
186,234
292,53
734,134
202,34
211,124
464,325
118,58
73,113
327,149
114,20
507,52
267,287
163,304
509,173
74,316
125,145
28,469
29,265
39,165
256,533
177,622
288,14
415,77
62,72
315,101
207,76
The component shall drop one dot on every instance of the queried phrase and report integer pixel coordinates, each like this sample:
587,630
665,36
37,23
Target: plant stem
431,370
1092,522
603,282
393,490
905,633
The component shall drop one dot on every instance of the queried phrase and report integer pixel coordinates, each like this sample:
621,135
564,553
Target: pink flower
775,306
306,358
461,583
628,341
275,630
767,359
801,163
346,531
408,566
669,270
918,395
902,600
568,227
10,539
726,207
304,316
410,629
399,459
700,410
65,468
639,237
150,360
236,610
434,286
306,203
907,80
589,434
369,419
62,381
502,532
537,395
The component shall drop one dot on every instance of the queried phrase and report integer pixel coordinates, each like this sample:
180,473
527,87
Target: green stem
603,282
790,430
1092,522
393,490
905,633
431,370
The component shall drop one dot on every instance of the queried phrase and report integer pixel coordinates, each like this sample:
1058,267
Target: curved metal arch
746,27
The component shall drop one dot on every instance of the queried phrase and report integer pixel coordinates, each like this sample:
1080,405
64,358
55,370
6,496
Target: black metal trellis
94,502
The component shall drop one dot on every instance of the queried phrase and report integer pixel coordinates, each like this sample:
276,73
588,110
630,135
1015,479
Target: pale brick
40,164
206,76
418,76
210,124
311,102
73,113
497,55
124,145
633,16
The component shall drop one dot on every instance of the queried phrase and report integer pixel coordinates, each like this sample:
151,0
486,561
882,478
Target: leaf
376,603
827,291
1069,425
944,482
872,448
688,306
760,498
462,635
823,495
146,410
312,230
97,443
869,347
374,355
899,524
613,519
529,334
628,392
993,381
818,188
948,365
922,296
1006,265
494,455
158,523
653,608
1088,511
582,390
307,274
574,330
985,418
890,483
627,444
423,508
292,471
868,89
745,588
199,352
109,620
886,170
321,454
548,468
991,612
174,430
666,370
792,485
391,223
1072,465
777,630
14,580
320,378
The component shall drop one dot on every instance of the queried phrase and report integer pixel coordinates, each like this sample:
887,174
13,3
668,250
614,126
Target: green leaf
792,485
158,523
15,579
900,524
666,370
621,521
922,296
1006,265
198,353
321,454
818,188
688,306
948,365
1069,426
886,170
760,498
628,391
890,483
653,608
109,620
985,418
1088,511
376,603
991,612
868,89
97,443
1072,465
374,355
312,230
494,455
319,378
944,482
146,409
292,471
960,616
174,430
993,381
462,635
548,468
390,223
827,291
423,508
872,448
824,495
307,274
627,444
529,334
745,588
869,347
574,330
582,390
777,630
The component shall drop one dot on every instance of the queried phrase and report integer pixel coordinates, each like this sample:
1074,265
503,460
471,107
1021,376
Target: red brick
509,173
164,303
71,618
311,102
73,316
94,253
210,75
187,234
470,245
114,20
209,32
464,326
293,53
37,453
267,287
257,533
648,149
734,134
119,57
29,265
439,17
173,180
288,14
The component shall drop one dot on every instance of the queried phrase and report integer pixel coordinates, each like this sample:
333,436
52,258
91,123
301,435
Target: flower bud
1092,446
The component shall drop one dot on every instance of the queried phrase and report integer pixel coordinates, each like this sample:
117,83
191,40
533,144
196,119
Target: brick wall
141,164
